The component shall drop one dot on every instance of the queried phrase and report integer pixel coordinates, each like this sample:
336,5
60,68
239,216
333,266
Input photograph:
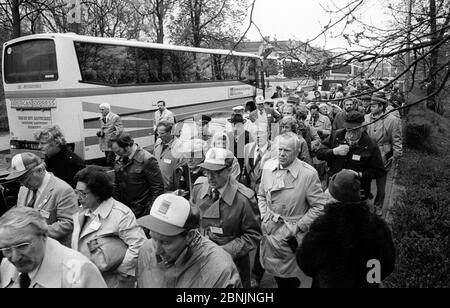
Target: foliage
208,23
421,217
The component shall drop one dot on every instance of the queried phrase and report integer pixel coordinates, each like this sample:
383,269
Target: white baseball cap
168,215
239,108
193,146
216,159
259,100
21,164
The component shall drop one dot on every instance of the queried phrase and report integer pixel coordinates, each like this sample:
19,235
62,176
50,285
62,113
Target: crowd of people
286,190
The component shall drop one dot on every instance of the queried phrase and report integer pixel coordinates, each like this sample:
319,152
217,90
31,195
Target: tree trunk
434,59
15,8
160,15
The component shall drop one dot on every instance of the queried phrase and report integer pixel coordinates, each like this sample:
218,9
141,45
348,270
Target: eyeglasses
81,194
20,248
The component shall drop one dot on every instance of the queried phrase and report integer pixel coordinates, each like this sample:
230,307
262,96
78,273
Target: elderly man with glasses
33,260
41,190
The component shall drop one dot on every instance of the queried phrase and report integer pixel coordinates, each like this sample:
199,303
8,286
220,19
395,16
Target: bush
421,215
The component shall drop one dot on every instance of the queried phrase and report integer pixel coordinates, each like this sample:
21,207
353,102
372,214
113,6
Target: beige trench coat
290,196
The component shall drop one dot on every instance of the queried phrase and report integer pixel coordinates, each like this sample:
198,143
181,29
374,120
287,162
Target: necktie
258,157
261,113
33,199
164,147
126,160
24,281
104,120
215,195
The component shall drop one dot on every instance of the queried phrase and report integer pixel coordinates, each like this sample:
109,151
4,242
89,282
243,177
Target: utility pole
408,45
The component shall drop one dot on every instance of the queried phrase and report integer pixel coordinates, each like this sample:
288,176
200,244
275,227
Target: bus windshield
31,61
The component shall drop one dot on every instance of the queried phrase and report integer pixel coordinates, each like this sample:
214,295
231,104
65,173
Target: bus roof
125,42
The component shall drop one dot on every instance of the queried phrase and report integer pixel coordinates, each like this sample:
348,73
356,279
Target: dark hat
375,99
205,119
293,99
365,98
345,186
237,118
313,106
353,119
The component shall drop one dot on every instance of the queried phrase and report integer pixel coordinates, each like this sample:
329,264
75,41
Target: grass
421,216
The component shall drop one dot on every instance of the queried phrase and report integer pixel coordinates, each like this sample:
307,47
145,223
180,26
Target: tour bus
341,75
63,78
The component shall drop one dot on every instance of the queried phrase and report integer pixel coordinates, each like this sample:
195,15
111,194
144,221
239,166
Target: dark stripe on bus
126,123
181,112
89,141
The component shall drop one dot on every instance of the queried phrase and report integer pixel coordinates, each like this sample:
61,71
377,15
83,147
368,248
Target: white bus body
63,78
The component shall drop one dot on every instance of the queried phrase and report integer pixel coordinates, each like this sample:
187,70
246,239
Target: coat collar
227,195
294,168
45,195
47,275
104,209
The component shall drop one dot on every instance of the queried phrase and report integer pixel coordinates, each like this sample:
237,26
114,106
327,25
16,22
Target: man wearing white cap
177,255
228,210
41,190
110,126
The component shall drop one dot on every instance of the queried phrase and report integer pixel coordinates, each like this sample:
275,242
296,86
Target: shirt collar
133,151
103,210
47,274
45,182
263,149
294,168
228,192
33,274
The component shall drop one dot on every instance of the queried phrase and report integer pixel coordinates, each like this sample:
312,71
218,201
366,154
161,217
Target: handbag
107,252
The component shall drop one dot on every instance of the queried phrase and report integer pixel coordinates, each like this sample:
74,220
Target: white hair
290,136
21,217
105,106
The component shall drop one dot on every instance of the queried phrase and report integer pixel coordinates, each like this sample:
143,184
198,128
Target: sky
302,19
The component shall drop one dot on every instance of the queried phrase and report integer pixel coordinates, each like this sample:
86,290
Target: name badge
356,157
95,225
167,161
45,214
216,230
